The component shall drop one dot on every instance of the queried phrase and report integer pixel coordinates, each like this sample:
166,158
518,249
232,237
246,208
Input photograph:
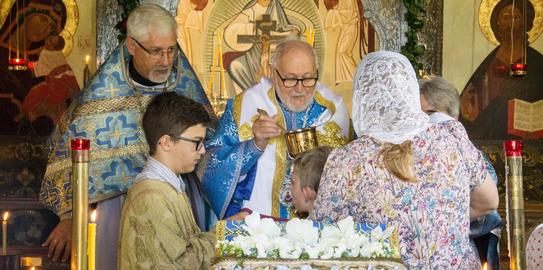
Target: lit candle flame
93,216
87,59
485,266
6,215
33,268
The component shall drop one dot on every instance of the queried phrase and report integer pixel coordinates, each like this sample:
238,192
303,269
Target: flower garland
415,20
301,239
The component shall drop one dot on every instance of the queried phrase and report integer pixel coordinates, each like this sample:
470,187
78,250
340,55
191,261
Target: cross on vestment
264,26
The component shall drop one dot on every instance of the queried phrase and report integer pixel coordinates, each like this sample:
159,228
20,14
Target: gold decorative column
515,205
80,202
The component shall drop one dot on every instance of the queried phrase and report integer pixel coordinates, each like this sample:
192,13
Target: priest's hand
239,216
264,128
60,241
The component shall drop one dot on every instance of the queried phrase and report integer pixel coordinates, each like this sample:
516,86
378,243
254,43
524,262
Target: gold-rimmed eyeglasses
157,53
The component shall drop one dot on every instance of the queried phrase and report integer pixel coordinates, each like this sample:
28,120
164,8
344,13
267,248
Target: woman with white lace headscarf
406,172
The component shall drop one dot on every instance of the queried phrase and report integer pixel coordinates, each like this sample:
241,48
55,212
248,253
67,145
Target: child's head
175,128
54,43
306,175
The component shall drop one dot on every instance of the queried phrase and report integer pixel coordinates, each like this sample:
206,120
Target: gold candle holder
515,205
80,199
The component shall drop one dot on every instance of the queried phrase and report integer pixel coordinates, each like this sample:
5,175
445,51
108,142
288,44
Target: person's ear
165,143
131,45
309,194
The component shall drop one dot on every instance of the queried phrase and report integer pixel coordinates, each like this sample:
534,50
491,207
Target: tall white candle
5,232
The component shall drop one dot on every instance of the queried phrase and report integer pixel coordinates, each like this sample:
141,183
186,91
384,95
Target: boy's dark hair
171,114
309,166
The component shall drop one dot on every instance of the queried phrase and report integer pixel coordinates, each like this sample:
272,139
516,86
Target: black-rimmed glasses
198,142
157,53
292,82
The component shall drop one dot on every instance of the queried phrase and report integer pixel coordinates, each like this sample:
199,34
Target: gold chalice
301,140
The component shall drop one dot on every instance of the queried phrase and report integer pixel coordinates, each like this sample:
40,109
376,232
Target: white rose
269,228
302,232
252,222
339,250
327,253
376,248
330,234
346,226
377,234
313,251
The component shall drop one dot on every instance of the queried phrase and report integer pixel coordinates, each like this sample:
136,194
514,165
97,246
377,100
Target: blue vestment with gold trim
238,175
108,111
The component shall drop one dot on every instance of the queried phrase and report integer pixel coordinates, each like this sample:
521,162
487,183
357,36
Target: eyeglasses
199,142
157,53
292,82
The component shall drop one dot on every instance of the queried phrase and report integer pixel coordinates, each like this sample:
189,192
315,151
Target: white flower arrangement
300,239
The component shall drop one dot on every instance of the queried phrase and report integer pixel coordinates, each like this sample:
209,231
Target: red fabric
264,216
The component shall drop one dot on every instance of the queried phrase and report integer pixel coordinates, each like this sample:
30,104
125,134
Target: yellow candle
91,251
87,59
5,232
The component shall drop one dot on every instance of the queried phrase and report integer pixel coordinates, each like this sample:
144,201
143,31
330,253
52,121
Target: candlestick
515,205
91,251
5,233
80,183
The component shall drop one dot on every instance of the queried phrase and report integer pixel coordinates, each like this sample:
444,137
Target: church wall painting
338,30
478,64
476,58
48,34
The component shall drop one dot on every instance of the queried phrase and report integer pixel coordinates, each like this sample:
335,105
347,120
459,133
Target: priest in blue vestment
108,111
247,159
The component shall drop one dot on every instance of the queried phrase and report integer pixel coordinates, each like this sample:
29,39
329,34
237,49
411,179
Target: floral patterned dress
432,216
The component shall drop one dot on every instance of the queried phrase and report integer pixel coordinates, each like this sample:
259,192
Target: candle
5,232
514,205
485,266
91,250
80,202
86,70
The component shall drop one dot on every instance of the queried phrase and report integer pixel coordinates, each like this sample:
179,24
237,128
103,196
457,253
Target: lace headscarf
386,99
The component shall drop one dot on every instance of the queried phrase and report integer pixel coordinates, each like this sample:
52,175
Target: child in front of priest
306,175
159,224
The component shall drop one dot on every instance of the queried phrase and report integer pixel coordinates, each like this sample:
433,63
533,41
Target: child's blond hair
309,165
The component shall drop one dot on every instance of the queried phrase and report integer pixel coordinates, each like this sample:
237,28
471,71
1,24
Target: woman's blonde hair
398,159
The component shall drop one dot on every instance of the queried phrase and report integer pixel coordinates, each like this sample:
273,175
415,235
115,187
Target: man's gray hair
441,94
150,17
289,43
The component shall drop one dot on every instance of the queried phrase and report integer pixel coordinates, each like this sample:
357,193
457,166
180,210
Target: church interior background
457,35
